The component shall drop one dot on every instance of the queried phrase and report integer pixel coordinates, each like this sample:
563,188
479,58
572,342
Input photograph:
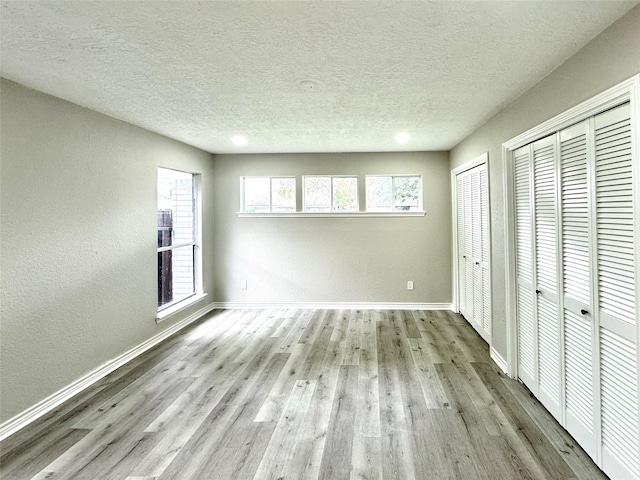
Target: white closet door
484,221
467,257
576,209
473,248
580,353
616,300
460,200
546,273
527,333
476,251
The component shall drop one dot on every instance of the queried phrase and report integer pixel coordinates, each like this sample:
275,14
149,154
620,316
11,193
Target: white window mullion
173,247
331,194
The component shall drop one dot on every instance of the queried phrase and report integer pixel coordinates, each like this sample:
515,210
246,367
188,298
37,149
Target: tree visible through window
330,194
176,236
393,193
268,194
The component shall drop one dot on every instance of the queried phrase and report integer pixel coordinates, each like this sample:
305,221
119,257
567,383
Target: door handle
538,292
477,263
584,312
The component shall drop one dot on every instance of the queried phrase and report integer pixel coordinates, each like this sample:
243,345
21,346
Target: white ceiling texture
296,76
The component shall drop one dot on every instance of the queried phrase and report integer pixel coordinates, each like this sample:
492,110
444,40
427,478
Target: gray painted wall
610,58
78,235
333,259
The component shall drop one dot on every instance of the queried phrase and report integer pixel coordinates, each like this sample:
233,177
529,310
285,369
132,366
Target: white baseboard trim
33,413
501,362
333,305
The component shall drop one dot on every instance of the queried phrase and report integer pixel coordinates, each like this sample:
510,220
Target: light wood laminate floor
303,394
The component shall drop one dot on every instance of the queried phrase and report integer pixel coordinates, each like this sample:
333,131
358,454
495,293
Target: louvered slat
614,215
476,251
575,215
526,344
545,217
468,246
620,400
578,368
484,190
548,349
460,206
461,235
486,301
476,212
527,347
486,289
523,215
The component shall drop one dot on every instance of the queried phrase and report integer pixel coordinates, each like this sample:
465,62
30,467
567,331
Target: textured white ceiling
296,76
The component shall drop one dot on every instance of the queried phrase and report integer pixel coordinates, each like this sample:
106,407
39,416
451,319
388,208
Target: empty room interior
393,240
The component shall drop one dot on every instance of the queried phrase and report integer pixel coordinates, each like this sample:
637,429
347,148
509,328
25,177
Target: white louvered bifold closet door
527,333
579,346
473,248
576,208
460,206
485,262
546,273
467,254
476,225
616,292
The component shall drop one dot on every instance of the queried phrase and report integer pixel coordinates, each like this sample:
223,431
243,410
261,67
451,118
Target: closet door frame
619,465
475,162
628,90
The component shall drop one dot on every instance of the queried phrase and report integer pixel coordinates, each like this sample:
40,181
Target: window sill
415,213
179,307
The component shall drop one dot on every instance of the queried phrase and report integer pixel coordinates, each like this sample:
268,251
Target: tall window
386,193
176,236
330,194
268,194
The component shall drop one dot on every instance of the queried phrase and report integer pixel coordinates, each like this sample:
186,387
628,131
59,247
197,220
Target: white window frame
331,210
271,179
393,192
300,206
172,308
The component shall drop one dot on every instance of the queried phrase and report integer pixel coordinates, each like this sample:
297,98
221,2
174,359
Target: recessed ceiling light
239,140
402,138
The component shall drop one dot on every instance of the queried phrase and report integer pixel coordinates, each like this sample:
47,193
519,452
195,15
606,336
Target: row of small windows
331,193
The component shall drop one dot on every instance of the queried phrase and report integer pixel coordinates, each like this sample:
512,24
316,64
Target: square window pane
176,279
176,213
317,194
283,194
379,194
345,194
256,194
407,193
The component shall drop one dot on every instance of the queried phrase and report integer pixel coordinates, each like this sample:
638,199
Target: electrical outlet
243,284
410,285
